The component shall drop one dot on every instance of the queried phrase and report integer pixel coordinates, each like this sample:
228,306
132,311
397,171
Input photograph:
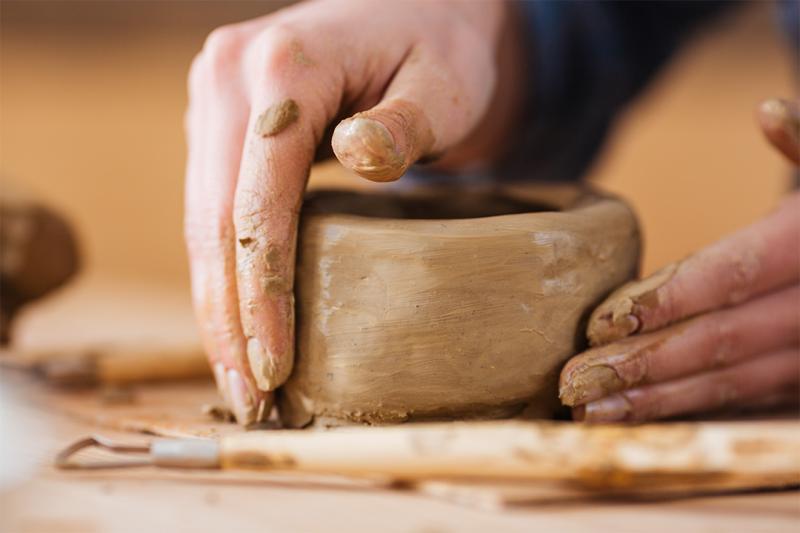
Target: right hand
424,79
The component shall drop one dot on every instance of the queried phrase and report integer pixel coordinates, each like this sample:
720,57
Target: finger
710,341
754,260
780,121
215,125
779,399
736,385
427,108
289,112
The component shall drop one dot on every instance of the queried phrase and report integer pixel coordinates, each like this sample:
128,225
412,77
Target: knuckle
220,54
196,74
725,341
222,43
275,47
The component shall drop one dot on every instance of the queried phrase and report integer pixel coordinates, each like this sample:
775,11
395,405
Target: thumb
426,109
780,121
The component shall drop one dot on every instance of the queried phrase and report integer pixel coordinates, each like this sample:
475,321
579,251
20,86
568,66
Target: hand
721,328
424,79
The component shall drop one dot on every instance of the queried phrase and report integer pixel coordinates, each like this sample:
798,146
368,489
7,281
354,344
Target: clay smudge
271,257
621,314
299,57
277,118
218,413
593,382
275,284
613,368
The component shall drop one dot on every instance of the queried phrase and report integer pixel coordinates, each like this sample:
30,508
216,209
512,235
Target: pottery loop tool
174,453
710,456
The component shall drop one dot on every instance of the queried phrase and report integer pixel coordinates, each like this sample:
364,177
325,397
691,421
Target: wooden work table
37,422
147,500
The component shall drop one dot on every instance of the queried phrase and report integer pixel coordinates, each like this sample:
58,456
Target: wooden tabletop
47,500
37,421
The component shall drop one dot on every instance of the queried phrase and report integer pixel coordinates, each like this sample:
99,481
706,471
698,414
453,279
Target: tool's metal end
173,453
65,459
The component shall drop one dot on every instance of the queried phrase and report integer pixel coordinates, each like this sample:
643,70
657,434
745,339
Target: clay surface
448,305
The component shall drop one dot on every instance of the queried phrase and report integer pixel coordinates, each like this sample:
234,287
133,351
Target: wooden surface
38,422
35,423
145,499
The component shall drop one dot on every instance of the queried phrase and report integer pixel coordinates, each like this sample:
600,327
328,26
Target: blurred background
92,96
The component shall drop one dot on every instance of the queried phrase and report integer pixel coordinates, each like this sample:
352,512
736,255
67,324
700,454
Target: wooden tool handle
134,365
718,455
112,365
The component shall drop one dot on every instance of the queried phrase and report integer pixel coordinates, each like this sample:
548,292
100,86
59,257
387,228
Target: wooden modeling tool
112,365
655,457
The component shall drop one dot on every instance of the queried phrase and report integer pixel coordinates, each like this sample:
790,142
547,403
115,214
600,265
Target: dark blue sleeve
586,61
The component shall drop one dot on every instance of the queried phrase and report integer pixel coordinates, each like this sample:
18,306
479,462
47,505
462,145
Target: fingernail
270,370
777,113
259,364
241,401
625,312
612,327
264,407
222,386
367,147
777,118
590,383
611,409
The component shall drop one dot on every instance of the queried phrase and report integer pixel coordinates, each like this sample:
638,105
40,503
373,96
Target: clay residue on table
429,319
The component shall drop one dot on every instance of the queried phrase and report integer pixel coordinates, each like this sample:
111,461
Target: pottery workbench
43,499
143,499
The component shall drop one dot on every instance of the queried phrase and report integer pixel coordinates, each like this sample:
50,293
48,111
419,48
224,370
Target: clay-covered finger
286,122
780,121
750,381
428,107
215,130
759,258
709,341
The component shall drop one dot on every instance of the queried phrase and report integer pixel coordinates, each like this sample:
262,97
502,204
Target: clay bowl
448,305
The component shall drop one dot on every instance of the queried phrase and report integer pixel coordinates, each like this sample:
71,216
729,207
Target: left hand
720,328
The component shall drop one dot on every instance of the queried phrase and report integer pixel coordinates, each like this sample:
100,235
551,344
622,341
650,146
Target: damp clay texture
448,305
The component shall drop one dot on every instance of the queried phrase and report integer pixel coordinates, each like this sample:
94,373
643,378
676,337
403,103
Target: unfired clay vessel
447,305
